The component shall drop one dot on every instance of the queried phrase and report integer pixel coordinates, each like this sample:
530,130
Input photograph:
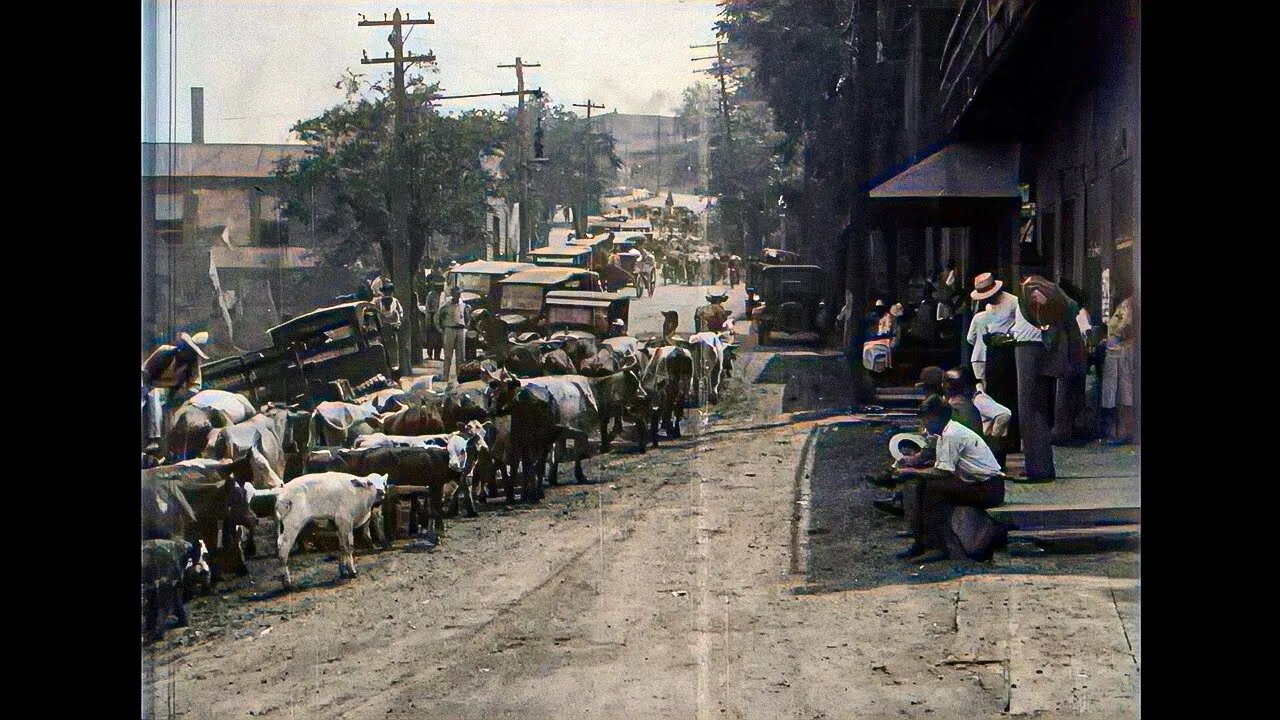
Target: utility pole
402,265
659,181
525,241
720,69
580,218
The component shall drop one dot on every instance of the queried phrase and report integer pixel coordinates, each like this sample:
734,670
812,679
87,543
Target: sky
266,64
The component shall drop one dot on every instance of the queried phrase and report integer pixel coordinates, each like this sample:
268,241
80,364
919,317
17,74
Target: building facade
1011,144
216,253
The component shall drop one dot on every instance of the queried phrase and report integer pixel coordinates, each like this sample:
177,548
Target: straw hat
194,342
984,286
896,442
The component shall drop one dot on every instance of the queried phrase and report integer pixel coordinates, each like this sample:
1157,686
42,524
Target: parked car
591,312
522,296
476,280
791,300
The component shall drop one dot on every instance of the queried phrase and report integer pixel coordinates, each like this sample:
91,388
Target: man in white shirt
965,473
1000,373
451,318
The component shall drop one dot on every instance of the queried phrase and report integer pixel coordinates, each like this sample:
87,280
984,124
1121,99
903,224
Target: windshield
522,297
557,315
472,282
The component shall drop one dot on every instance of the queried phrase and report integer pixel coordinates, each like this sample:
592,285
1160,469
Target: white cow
341,498
708,350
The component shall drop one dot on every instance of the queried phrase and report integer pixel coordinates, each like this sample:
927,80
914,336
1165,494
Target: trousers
1035,418
455,350
927,503
1001,383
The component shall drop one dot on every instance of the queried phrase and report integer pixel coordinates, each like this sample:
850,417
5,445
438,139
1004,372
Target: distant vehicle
522,296
591,312
565,256
308,357
791,300
476,280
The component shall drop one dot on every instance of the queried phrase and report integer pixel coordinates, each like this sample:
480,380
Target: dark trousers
1035,398
928,503
1002,386
1068,403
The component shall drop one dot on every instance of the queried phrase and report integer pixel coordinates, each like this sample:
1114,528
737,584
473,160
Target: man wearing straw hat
170,375
1000,374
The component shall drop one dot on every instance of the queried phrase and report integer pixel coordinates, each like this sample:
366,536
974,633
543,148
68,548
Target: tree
581,162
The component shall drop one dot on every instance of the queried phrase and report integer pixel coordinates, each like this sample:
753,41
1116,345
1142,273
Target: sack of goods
876,355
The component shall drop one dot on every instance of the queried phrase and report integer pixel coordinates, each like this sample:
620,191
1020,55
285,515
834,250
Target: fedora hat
194,342
984,286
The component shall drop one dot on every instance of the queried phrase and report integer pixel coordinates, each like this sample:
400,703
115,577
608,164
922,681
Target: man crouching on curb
965,472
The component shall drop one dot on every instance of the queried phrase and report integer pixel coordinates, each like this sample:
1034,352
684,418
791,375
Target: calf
343,499
170,569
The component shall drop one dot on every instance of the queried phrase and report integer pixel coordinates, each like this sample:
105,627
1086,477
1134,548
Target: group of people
702,268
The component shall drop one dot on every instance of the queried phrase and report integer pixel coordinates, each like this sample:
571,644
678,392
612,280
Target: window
522,297
175,216
270,228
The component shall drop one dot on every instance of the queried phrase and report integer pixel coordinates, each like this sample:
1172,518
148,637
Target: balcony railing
980,30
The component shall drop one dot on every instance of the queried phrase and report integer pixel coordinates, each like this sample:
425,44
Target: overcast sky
266,64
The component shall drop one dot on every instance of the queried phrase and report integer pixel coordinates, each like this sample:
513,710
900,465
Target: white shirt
964,452
988,408
1024,331
453,314
1001,317
978,328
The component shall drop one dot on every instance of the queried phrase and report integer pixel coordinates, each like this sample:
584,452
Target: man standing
390,318
964,473
171,375
645,267
451,318
1049,350
1000,374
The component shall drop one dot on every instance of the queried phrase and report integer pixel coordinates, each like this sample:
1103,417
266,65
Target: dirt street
673,586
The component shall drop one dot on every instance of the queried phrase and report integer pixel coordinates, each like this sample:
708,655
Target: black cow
667,380
541,417
428,467
616,396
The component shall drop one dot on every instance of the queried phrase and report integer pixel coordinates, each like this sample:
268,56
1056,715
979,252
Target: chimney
197,115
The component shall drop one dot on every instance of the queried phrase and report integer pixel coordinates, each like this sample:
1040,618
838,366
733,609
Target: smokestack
197,115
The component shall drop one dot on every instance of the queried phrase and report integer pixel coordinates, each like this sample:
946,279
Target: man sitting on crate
964,473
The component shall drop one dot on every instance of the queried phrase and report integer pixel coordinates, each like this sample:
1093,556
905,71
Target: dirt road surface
674,586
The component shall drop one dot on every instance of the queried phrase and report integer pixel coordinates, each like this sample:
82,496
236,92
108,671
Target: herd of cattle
508,422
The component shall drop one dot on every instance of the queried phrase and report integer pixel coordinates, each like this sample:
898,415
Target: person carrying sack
171,375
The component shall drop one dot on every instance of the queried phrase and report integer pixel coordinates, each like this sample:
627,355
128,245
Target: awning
959,170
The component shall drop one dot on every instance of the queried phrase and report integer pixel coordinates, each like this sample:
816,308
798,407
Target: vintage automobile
576,256
522,296
792,301
476,280
310,359
591,312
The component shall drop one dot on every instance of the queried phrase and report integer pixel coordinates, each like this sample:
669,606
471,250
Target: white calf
341,498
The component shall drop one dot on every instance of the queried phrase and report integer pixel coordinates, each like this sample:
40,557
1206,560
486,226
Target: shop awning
959,170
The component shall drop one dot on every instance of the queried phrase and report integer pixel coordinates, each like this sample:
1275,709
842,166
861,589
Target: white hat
195,341
984,286
899,439
617,321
